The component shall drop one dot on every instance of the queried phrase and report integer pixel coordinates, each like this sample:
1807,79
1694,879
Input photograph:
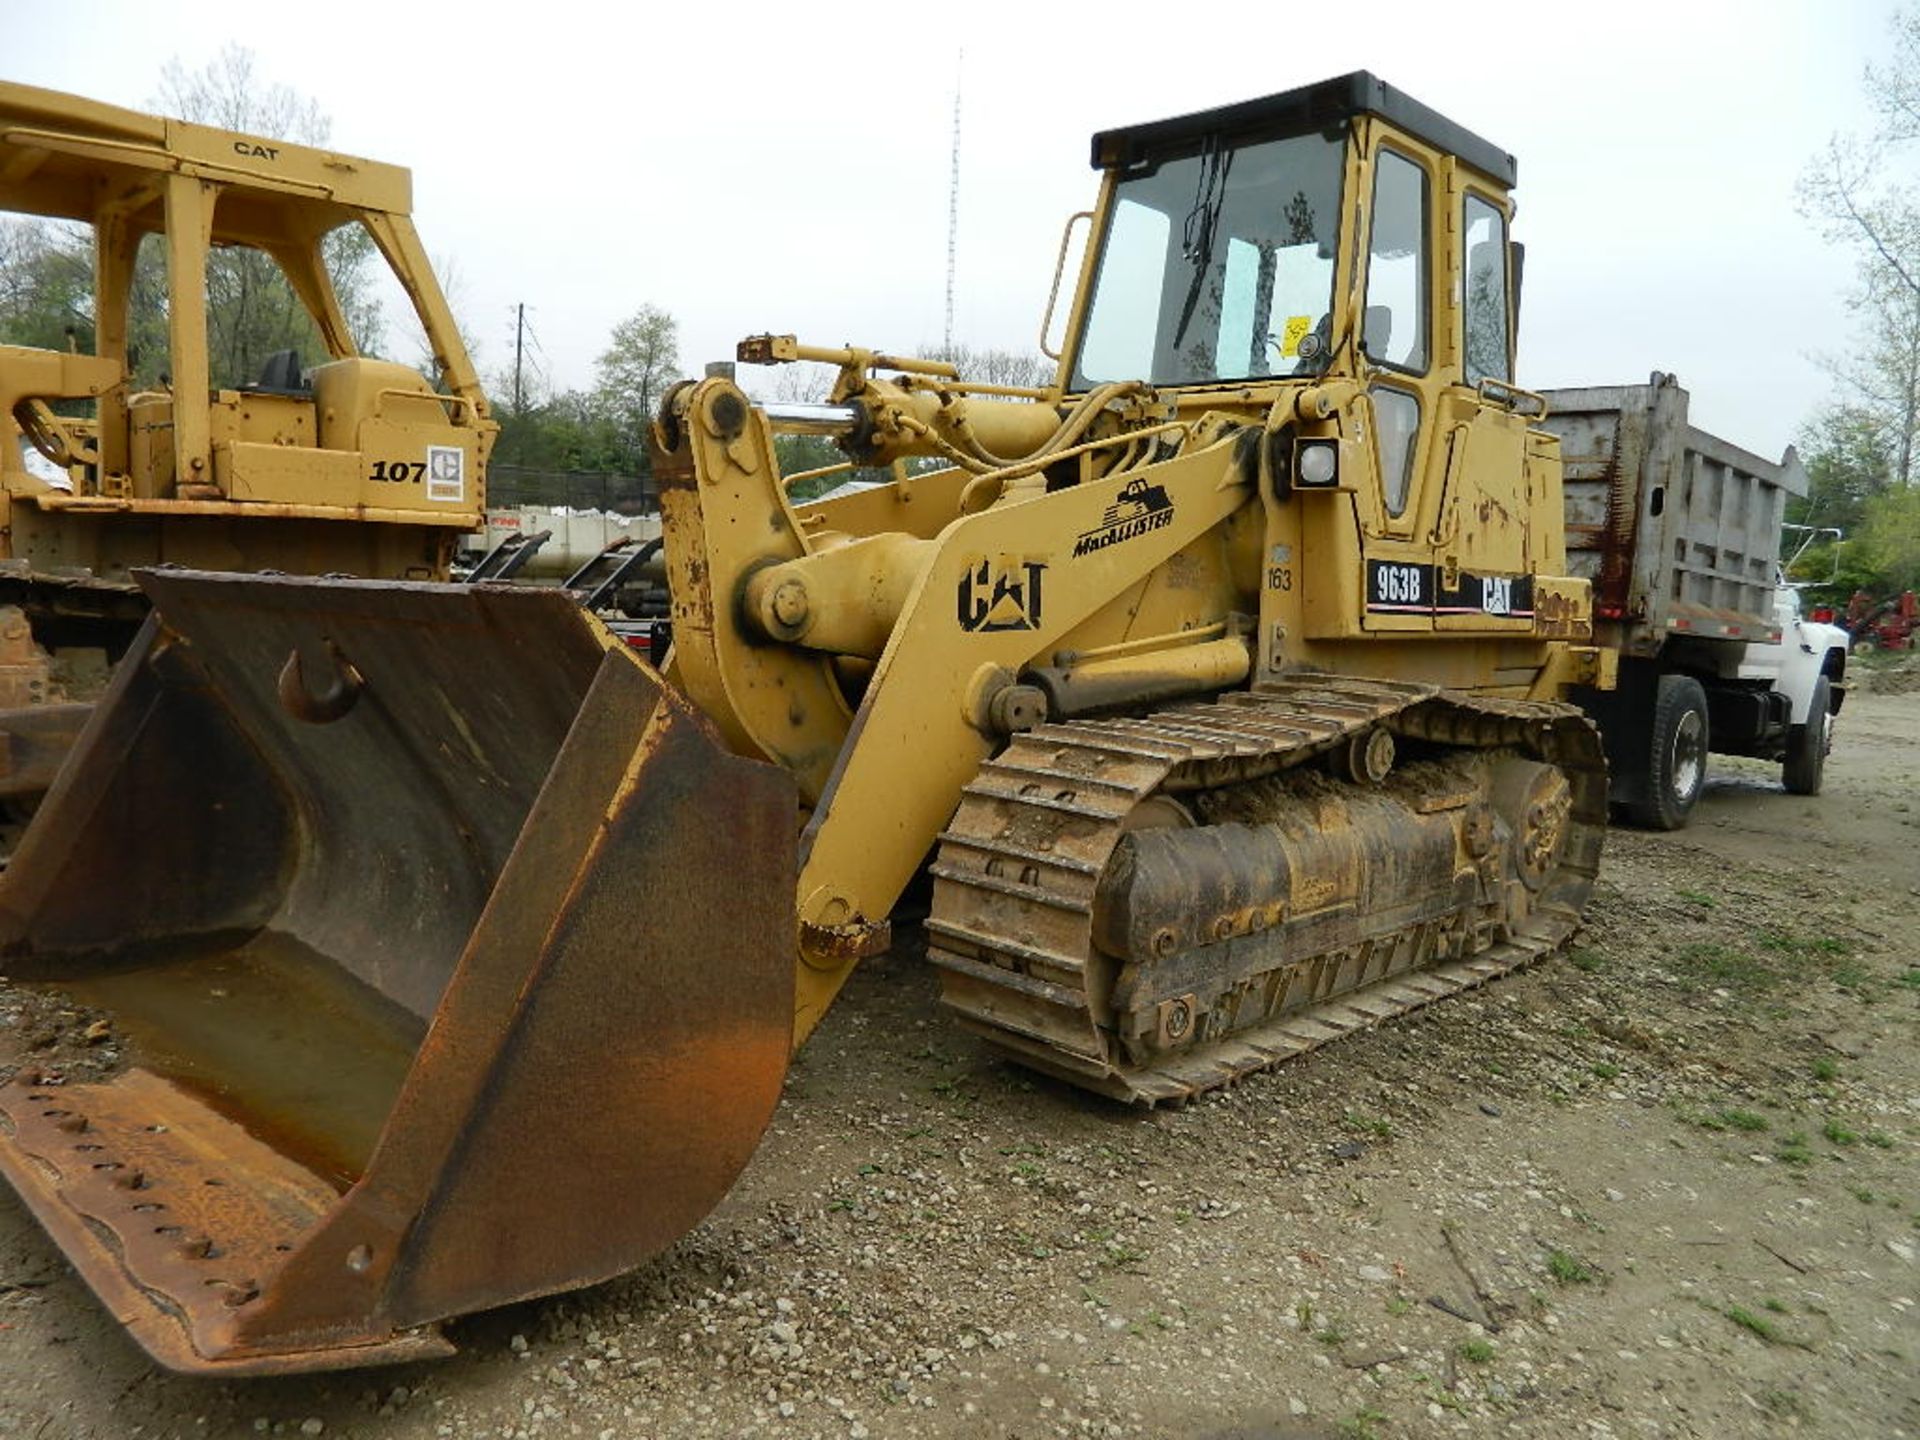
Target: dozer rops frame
1222,681
333,462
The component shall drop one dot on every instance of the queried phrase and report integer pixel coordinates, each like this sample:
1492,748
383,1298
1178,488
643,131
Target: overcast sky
785,168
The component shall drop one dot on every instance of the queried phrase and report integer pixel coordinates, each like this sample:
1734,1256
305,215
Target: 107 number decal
399,471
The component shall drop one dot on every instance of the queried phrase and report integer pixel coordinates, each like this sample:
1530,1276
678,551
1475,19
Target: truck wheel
1676,757
1808,744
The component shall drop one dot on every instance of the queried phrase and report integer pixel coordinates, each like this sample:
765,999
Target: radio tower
953,200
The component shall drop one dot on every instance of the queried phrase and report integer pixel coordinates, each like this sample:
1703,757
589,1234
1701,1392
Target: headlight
1316,464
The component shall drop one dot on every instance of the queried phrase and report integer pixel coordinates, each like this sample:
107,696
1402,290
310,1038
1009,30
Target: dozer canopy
404,904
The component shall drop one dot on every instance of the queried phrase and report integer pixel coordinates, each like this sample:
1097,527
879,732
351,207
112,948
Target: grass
1747,1320
1838,1134
1725,967
1778,1307
1588,960
1830,954
1374,1125
1399,1305
1826,1070
1783,944
1852,977
1774,957
1697,897
1783,1403
1605,1070
1793,1150
1726,1118
1362,1425
1479,1352
1568,1269
1031,1246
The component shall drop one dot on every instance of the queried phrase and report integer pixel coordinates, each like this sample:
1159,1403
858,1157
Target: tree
562,432
639,364
1019,368
252,311
1847,466
1890,541
1859,191
1848,469
46,286
1863,454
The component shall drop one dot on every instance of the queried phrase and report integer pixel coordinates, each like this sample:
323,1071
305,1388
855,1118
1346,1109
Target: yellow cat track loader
458,952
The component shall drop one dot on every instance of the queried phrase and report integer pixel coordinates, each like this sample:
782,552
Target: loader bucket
449,952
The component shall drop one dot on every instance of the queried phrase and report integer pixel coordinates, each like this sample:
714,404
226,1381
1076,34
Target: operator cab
1222,255
1342,239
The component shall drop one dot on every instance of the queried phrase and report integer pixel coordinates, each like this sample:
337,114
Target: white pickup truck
1808,666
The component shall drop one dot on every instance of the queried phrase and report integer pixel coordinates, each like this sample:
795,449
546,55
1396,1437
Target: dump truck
1221,687
331,462
1679,533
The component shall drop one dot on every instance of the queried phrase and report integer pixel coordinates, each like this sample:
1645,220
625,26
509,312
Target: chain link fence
511,485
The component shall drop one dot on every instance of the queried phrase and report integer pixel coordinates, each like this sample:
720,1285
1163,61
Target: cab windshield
1217,265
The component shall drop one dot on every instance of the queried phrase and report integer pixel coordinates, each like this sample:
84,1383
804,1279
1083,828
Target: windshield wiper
1203,218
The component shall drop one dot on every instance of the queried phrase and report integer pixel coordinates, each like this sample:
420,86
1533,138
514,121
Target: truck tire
1676,755
1807,745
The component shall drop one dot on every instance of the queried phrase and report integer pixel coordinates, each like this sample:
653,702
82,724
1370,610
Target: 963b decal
1397,587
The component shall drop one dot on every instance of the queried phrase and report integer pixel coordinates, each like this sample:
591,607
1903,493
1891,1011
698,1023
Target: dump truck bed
1678,530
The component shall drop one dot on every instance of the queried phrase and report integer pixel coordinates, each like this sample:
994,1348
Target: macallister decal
1140,508
1001,593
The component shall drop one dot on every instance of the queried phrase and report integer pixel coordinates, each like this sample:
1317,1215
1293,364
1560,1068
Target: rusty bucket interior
400,902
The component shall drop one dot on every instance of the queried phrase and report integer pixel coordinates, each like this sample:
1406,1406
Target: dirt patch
1664,1184
1886,673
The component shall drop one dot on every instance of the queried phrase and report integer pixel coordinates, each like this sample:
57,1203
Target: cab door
1487,487
1405,384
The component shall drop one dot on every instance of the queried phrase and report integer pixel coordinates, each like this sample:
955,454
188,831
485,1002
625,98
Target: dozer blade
451,952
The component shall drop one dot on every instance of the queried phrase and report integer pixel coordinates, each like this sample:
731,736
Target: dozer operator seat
281,375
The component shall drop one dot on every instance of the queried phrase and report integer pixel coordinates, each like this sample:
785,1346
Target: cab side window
1394,332
1396,419
1487,313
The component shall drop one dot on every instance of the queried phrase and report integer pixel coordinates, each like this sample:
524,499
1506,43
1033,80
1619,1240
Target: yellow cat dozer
457,952
315,460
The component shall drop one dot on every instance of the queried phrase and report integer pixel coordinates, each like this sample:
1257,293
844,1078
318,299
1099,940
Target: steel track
1018,868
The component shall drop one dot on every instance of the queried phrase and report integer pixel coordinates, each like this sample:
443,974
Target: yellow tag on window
1296,326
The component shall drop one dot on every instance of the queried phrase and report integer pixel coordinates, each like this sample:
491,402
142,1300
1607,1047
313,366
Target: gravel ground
1663,1185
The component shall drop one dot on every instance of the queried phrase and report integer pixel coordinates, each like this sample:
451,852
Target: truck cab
1805,668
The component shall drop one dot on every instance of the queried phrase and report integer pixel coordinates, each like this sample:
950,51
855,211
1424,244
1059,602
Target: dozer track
1154,907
